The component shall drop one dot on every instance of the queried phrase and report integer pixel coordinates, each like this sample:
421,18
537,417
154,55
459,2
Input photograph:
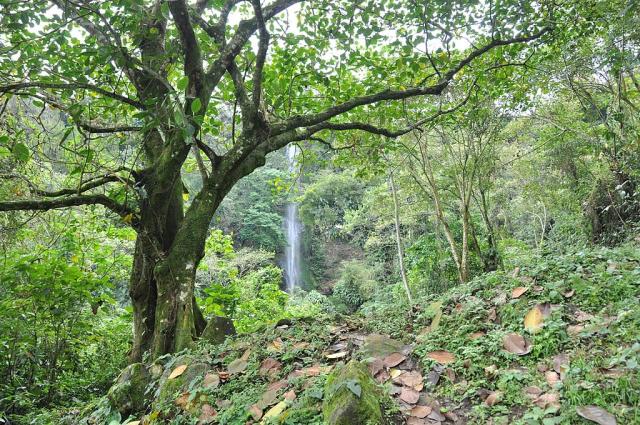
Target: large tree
220,83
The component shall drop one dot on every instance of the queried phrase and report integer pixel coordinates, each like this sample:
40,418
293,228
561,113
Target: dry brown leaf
552,378
337,355
207,414
383,376
569,293
493,398
409,395
412,420
574,330
275,345
300,345
278,385
548,400
582,316
177,371
518,292
412,379
596,414
533,320
375,366
442,357
515,273
516,344
532,392
394,359
246,354
223,375
182,401
492,316
255,411
211,380
269,366
290,395
420,411
561,364
476,335
237,366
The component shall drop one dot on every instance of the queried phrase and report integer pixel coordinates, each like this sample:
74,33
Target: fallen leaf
492,316
612,372
337,355
182,401
246,354
436,416
275,411
300,345
275,345
394,359
375,366
383,376
476,335
409,395
290,395
548,400
177,371
596,414
561,364
493,398
133,423
211,380
518,292
533,320
395,389
268,398
420,411
237,366
394,373
412,379
412,420
569,294
442,357
278,385
516,344
255,411
532,392
574,330
207,414
515,273
582,316
269,366
223,375
552,378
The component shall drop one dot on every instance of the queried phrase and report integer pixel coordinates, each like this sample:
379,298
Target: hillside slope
552,342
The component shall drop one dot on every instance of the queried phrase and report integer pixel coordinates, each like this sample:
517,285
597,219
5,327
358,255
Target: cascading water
292,231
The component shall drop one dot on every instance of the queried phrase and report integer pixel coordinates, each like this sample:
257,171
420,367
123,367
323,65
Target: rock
170,389
218,329
127,395
380,346
342,405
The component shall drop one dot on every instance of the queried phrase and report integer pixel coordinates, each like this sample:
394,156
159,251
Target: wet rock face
127,395
218,329
352,397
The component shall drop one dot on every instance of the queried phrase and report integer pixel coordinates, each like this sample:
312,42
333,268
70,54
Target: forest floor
552,342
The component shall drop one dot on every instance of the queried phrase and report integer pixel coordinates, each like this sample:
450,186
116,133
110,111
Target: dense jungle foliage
463,179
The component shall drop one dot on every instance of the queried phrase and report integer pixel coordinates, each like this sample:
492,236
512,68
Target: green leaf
183,83
4,139
354,387
21,152
196,105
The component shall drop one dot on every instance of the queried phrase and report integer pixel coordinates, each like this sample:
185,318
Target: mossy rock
218,329
127,395
170,389
351,396
380,346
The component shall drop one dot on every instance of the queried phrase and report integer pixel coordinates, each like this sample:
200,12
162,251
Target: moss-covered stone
127,395
218,329
380,346
343,405
170,389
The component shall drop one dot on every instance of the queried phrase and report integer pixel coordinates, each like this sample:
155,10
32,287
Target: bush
354,287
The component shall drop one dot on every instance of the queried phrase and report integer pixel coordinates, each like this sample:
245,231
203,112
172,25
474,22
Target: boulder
170,389
351,396
218,329
127,395
380,346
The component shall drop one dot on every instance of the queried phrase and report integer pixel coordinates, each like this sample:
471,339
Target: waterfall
293,229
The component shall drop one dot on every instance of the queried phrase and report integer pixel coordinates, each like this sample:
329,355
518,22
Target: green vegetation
319,211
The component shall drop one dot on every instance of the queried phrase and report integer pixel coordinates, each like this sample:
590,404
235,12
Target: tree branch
436,89
261,57
65,202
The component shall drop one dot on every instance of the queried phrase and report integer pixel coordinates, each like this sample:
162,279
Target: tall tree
194,81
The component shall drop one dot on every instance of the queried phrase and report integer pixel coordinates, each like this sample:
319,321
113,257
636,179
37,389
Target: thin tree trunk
396,216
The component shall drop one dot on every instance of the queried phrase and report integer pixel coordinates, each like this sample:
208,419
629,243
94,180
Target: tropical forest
308,212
